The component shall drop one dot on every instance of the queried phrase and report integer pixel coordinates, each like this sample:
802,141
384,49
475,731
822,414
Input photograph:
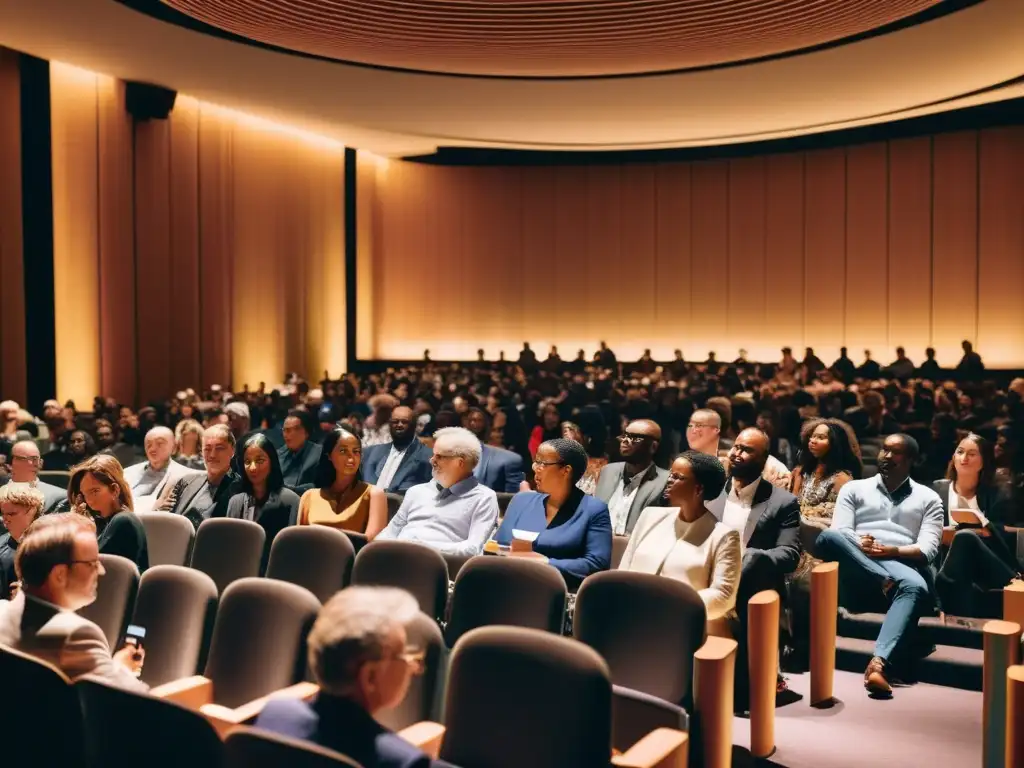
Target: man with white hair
453,513
25,464
360,656
9,420
149,479
239,420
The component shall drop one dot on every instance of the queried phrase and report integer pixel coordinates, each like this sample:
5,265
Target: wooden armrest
250,710
426,735
716,649
661,748
192,692
1013,602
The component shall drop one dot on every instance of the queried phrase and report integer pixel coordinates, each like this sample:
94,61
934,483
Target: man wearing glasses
58,564
25,464
360,656
454,513
635,483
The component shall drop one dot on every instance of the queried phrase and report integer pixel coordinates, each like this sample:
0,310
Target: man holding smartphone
58,563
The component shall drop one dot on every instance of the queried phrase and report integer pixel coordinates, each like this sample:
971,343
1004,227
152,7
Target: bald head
749,454
159,447
704,431
638,444
25,461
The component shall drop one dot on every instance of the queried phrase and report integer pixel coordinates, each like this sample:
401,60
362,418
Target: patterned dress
817,502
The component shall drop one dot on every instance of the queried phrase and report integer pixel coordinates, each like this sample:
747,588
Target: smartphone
134,637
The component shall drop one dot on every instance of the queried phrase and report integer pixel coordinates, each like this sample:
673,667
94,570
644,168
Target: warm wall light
262,124
68,73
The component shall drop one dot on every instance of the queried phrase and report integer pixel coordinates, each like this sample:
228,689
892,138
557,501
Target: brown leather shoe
875,680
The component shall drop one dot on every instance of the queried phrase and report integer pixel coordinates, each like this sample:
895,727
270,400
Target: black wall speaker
148,102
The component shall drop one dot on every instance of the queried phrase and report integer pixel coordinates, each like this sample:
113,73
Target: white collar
746,494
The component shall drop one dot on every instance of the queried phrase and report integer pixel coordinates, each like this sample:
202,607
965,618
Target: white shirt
972,503
387,472
737,508
622,500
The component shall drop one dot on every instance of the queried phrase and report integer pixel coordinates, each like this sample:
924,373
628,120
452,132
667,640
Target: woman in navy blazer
575,530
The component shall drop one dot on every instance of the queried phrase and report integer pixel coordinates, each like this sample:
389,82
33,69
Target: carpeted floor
922,726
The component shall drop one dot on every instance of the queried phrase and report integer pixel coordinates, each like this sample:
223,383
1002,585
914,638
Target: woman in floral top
829,458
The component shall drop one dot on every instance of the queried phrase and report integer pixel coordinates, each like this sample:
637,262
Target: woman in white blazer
686,542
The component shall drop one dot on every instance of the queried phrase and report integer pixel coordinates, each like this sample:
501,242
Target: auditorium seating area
487,384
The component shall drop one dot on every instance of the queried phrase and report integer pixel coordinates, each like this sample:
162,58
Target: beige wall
915,242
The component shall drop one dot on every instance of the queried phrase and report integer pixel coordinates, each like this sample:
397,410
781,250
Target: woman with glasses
263,498
98,489
341,498
20,504
684,541
574,530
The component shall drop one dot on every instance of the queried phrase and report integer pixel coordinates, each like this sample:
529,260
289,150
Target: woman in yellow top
341,499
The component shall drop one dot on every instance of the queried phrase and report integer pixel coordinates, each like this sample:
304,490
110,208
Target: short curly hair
707,471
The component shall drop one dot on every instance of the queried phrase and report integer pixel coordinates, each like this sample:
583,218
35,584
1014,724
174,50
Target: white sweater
704,554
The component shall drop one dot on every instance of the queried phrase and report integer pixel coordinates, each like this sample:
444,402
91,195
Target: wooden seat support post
824,610
763,645
714,674
1002,650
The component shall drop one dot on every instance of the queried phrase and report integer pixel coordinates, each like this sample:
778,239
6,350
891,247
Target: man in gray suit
58,562
25,464
149,480
631,485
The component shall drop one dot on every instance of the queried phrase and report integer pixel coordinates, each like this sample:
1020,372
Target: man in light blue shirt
454,513
885,533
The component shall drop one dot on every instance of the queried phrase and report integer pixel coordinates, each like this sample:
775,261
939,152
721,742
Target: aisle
923,726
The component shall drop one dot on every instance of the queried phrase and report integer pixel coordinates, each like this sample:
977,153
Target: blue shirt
912,514
578,545
454,521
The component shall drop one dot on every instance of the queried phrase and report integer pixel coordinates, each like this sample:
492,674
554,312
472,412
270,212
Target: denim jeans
863,577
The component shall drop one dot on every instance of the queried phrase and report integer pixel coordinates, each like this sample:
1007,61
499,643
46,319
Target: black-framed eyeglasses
632,437
538,463
94,563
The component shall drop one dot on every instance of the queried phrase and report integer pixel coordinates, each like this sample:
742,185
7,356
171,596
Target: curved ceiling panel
548,38
961,59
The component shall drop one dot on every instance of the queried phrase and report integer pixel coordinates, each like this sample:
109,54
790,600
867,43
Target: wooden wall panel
603,310
567,283
216,235
784,250
74,151
366,206
672,263
1001,247
153,268
709,265
118,353
910,247
824,251
183,215
867,247
954,243
746,312
536,198
13,361
638,258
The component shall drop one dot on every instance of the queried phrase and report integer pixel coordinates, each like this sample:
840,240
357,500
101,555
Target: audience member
930,368
499,469
341,498
548,428
398,465
843,367
201,496
20,504
684,541
885,533
629,486
58,566
148,480
827,463
360,658
593,445
574,530
299,455
767,519
869,369
239,419
902,367
454,513
376,429
983,559
970,367
263,498
98,489
188,442
25,463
